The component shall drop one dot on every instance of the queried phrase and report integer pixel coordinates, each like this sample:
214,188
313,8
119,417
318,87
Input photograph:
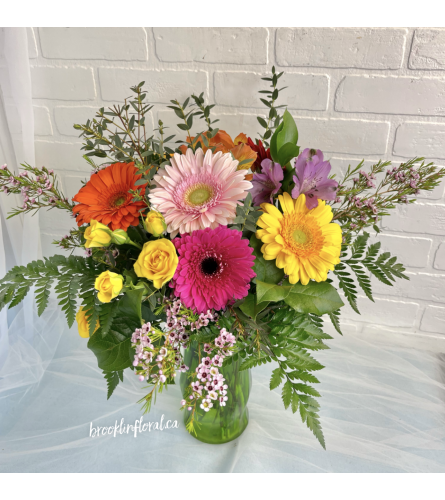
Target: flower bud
120,237
155,223
97,235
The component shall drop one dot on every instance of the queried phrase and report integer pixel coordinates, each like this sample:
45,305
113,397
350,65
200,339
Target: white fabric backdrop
23,355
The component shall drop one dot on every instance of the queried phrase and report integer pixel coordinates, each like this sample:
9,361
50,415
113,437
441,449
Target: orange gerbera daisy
105,197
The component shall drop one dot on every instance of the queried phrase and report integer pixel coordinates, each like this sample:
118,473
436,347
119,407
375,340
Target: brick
42,121
439,259
411,251
212,45
112,44
433,320
428,49
72,183
391,95
383,312
417,218
66,84
436,194
418,341
66,116
343,136
32,44
340,165
420,139
241,89
423,286
231,123
367,48
56,222
162,86
60,155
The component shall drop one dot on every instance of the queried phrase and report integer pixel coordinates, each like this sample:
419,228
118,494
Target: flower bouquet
210,256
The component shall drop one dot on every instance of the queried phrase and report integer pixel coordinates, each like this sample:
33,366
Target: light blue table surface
383,410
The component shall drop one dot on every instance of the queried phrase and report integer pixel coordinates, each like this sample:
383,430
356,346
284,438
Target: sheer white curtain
24,353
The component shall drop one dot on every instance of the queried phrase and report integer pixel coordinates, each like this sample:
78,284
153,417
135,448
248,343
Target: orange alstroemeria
223,142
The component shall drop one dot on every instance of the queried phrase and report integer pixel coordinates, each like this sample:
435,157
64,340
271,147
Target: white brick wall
355,93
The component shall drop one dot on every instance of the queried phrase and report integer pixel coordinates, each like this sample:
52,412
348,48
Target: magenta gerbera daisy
198,191
215,266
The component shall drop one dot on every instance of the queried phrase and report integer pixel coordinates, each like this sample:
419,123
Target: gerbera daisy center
209,266
199,194
299,236
118,200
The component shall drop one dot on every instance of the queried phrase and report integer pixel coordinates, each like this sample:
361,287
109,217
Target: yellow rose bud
97,235
119,237
82,323
108,285
157,261
155,223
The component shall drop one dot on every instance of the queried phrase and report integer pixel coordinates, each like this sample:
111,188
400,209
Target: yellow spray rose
97,235
157,261
82,323
155,223
108,285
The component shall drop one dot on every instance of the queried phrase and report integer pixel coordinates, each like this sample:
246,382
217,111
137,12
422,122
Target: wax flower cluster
181,320
153,362
209,386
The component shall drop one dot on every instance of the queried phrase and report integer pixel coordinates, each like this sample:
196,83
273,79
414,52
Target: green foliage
112,345
283,145
266,270
112,379
316,298
383,267
74,275
250,307
292,336
246,217
271,96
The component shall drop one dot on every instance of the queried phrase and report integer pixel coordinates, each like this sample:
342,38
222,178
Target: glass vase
222,423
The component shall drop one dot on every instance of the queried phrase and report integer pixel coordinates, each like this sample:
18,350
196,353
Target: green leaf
130,304
113,350
266,270
287,152
316,298
271,292
295,402
286,394
277,378
250,306
286,132
112,379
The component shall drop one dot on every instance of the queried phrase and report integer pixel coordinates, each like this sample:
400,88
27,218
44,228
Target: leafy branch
274,118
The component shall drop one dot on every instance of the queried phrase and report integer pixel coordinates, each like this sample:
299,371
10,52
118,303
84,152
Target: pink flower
215,266
268,183
198,191
312,178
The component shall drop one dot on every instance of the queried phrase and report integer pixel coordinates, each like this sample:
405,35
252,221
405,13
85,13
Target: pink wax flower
312,178
215,266
266,184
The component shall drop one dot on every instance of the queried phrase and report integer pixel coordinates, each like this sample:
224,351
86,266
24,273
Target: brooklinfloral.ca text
138,426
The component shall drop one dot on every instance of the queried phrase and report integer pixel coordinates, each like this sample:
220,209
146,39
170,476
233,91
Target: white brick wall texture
356,93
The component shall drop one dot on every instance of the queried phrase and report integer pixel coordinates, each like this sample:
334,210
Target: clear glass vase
222,423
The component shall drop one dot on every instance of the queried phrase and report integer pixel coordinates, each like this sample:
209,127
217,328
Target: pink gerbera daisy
199,191
215,266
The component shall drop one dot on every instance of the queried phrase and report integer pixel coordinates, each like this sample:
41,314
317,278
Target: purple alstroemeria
312,178
268,183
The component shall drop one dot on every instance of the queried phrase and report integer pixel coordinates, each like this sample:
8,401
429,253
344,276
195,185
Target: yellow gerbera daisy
304,242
